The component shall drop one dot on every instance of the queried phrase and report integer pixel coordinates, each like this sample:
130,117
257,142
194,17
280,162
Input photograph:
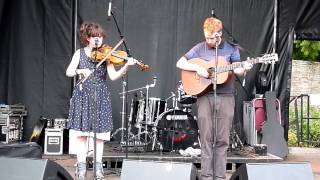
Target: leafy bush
314,127
306,50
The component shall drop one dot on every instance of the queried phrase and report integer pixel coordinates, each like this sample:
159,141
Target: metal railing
303,102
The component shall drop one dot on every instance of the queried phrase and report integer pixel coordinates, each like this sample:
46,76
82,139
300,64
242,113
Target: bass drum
176,130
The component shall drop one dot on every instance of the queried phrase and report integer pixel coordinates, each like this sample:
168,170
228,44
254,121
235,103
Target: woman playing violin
83,109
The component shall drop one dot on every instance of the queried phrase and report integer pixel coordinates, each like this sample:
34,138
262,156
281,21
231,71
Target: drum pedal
133,144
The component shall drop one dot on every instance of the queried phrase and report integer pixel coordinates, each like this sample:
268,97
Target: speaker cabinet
31,169
22,150
157,170
278,171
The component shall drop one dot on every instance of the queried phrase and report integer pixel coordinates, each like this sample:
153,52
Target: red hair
212,25
90,29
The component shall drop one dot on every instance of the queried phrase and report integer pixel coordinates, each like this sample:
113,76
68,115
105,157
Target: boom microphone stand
234,42
125,83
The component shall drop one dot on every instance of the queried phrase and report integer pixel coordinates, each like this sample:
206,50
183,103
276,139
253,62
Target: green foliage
292,138
306,50
314,127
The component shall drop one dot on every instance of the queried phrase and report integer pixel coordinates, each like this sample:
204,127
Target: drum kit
154,125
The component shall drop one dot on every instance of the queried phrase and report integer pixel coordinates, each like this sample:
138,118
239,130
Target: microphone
154,82
244,81
212,13
96,42
216,34
109,9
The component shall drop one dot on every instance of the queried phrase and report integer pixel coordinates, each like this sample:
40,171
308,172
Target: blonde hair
212,25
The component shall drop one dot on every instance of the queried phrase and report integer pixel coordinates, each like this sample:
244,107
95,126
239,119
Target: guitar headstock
268,58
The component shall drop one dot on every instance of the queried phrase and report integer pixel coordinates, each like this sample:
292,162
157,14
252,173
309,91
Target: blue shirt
225,49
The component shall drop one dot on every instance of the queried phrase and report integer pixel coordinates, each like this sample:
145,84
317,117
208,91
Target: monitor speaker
279,171
157,170
31,169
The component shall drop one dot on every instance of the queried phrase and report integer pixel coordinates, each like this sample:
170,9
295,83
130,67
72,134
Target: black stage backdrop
37,42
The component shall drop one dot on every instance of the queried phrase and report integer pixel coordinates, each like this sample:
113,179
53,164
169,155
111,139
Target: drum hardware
174,100
151,125
235,141
184,98
123,93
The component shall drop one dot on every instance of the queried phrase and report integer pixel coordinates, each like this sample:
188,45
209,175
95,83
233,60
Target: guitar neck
233,66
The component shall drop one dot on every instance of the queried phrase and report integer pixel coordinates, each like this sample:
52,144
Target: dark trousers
214,158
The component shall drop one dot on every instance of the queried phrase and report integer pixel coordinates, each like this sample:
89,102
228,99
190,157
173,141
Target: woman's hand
84,72
131,61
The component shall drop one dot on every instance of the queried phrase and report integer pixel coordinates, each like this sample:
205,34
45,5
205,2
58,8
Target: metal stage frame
114,154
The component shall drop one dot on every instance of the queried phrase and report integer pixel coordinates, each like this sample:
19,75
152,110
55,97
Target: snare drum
184,98
187,99
176,130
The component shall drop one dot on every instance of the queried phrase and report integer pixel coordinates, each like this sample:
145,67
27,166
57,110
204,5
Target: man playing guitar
213,149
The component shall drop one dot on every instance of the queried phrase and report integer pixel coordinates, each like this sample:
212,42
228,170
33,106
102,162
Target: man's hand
247,66
202,72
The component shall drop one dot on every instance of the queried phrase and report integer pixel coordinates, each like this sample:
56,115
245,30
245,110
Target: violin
117,57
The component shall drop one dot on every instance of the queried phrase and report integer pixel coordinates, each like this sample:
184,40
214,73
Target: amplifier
4,107
11,128
59,123
13,110
53,142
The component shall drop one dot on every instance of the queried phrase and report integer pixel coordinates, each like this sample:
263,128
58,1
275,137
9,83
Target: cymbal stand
123,97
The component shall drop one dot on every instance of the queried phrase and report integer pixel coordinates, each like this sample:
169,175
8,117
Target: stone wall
305,78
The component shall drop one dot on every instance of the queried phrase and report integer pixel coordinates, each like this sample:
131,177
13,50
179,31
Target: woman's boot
81,171
99,170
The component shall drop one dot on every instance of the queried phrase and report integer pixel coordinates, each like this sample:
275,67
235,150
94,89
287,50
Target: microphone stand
95,117
214,82
125,83
234,42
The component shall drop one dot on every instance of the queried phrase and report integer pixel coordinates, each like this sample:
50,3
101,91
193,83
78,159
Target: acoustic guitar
196,85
